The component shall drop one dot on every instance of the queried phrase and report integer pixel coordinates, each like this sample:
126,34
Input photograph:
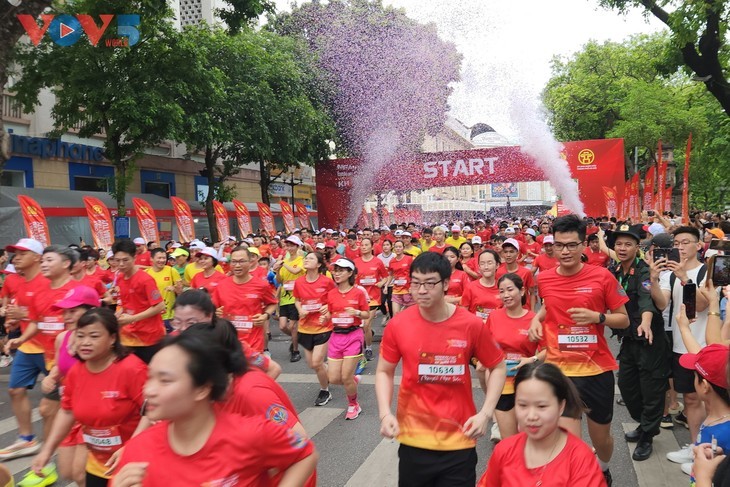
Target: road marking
316,419
9,424
379,468
657,470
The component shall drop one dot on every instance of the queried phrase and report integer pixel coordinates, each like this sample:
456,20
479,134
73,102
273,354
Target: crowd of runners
151,357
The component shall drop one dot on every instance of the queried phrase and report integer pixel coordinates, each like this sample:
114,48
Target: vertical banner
267,218
303,216
625,201
609,195
668,198
376,219
637,201
362,221
244,219
146,220
661,180
221,221
287,214
100,221
634,196
184,219
34,219
386,216
649,189
685,183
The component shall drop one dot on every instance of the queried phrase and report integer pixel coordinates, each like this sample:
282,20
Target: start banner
100,221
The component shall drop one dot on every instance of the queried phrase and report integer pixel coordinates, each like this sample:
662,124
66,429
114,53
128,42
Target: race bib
311,306
441,368
51,324
511,360
368,281
577,338
400,282
483,313
342,319
242,323
289,286
105,440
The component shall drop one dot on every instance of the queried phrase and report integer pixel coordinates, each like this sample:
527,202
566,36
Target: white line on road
316,419
379,468
9,424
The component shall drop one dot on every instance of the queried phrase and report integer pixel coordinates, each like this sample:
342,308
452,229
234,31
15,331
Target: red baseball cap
79,296
710,362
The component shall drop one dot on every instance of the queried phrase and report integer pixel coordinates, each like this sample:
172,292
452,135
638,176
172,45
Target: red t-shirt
534,247
260,273
437,249
351,253
22,293
368,274
485,235
401,272
511,336
137,294
49,320
584,351
596,258
265,250
104,275
275,252
92,281
528,280
544,262
107,406
240,451
576,464
356,298
481,300
435,396
457,283
11,285
312,296
207,283
473,265
144,259
240,303
256,394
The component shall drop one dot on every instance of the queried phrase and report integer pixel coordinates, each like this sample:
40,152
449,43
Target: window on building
83,183
157,188
89,177
15,179
157,183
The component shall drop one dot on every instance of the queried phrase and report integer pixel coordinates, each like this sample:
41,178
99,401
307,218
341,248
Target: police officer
643,366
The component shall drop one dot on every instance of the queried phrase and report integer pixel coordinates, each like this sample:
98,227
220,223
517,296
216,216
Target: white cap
297,230
329,230
398,233
295,240
109,255
343,234
344,263
476,239
248,240
197,245
359,232
320,245
406,234
26,244
231,237
531,232
10,269
176,245
455,228
210,251
322,230
656,229
509,230
511,241
139,241
385,228
467,228
548,239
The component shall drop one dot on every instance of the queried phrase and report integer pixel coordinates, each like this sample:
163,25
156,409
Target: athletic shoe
677,410
683,455
295,356
20,448
681,419
494,435
687,468
368,354
620,401
666,422
353,411
50,477
357,378
608,477
5,361
361,366
323,398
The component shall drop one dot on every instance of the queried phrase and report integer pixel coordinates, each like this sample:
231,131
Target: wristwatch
601,318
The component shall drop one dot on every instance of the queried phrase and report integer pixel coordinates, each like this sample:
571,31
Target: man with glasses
436,420
576,297
245,301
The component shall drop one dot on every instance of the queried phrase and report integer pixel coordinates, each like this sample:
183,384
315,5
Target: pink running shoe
353,411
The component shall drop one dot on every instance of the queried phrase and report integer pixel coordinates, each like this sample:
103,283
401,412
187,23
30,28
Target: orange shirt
435,396
481,300
579,351
401,272
137,294
311,297
49,320
368,274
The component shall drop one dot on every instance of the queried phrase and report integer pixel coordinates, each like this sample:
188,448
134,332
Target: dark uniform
643,368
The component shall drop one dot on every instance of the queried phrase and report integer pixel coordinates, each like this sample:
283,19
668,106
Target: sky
508,45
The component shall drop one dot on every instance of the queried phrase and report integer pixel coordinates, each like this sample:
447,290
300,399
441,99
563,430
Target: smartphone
669,254
604,225
720,270
689,300
716,244
650,212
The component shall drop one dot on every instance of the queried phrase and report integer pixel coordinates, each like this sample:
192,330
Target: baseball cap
139,241
398,233
628,230
26,244
176,245
717,233
197,246
10,269
509,230
109,254
179,252
295,240
455,228
385,228
406,234
531,232
476,240
710,362
329,230
330,243
344,263
254,251
511,241
79,296
210,252
320,245
663,241
248,240
656,229
548,239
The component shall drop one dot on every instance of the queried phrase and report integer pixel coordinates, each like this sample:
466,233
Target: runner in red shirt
510,251
372,276
210,277
352,249
310,292
93,269
246,302
400,277
469,258
347,307
531,248
482,297
142,256
543,454
227,449
547,259
594,253
79,274
436,421
458,280
439,236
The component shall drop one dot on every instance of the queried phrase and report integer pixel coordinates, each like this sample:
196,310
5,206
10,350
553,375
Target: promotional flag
100,221
649,188
376,219
146,220
184,219
266,217
386,216
287,214
362,221
685,183
221,220
625,210
668,198
34,219
661,180
303,216
244,219
609,195
634,212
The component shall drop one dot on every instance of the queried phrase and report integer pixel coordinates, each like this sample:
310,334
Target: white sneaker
687,468
683,455
495,436
5,360
20,448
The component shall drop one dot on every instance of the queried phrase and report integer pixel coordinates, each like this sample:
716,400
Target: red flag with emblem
266,217
244,218
668,198
303,215
100,221
146,220
184,219
221,220
287,214
661,180
649,188
34,219
609,194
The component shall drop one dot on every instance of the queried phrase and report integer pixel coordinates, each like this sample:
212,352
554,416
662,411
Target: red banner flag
649,188
244,219
221,220
668,198
266,217
386,216
102,230
376,219
625,201
303,216
184,219
634,212
609,194
287,214
146,220
685,183
363,221
661,180
34,219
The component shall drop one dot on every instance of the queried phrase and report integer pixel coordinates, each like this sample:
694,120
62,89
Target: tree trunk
120,191
265,181
210,158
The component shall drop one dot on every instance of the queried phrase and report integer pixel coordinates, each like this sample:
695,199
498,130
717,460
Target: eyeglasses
239,262
429,285
571,246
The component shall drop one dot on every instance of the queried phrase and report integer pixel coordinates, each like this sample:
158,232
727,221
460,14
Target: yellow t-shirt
426,245
413,251
455,242
287,279
165,278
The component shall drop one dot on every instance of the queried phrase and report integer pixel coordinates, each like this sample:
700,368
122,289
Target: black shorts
289,311
376,307
597,393
54,395
506,402
145,353
418,467
670,356
311,340
684,379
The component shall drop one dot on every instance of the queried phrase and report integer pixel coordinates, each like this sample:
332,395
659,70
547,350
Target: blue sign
503,190
47,148
121,227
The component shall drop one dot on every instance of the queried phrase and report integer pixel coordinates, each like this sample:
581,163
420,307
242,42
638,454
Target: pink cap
79,296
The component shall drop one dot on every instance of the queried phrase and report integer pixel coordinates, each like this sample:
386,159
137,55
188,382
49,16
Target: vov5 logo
65,30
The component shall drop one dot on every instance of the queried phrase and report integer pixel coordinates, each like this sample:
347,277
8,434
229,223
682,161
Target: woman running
482,296
469,260
400,277
210,277
372,276
386,303
458,280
